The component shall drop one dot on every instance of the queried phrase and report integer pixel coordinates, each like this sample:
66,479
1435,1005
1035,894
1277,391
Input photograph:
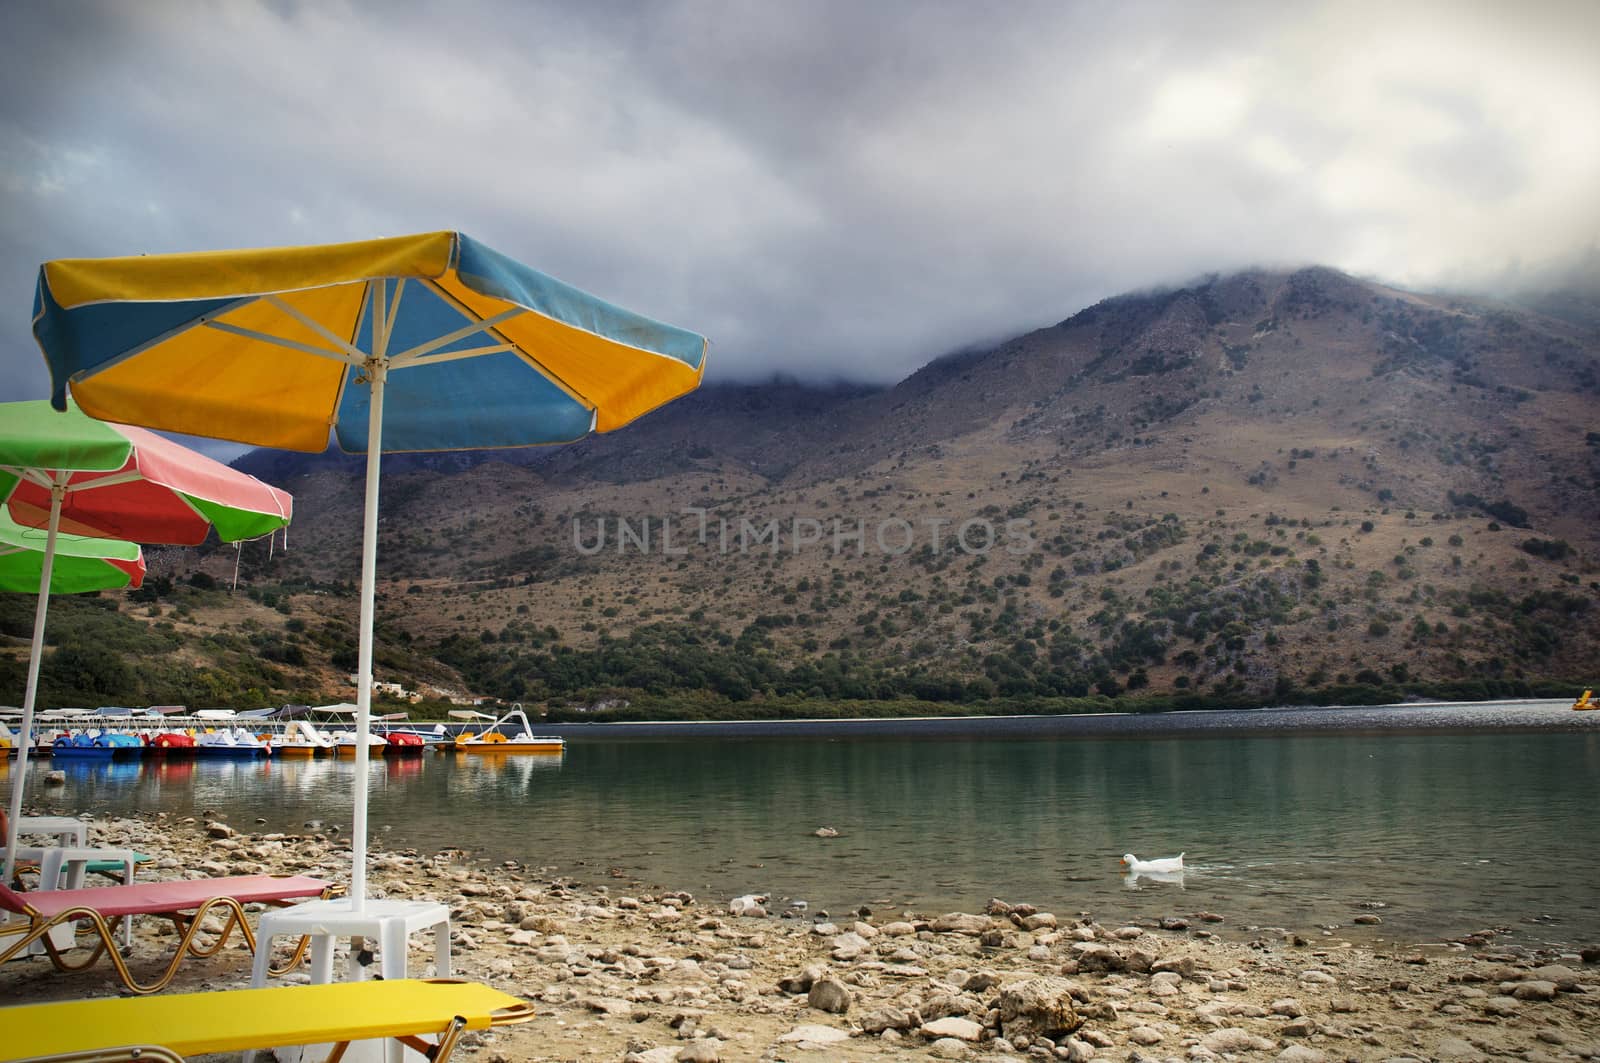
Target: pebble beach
624,972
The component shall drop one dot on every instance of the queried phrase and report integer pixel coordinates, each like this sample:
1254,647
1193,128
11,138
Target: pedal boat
523,740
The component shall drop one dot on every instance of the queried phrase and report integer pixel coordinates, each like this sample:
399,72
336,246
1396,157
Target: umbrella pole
57,492
369,579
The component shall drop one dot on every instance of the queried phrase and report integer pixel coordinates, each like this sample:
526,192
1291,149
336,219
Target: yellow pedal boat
522,740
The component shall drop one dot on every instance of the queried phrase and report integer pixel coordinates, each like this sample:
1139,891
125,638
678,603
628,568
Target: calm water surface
1449,833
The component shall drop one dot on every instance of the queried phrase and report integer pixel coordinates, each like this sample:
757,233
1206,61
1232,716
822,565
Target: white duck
1142,867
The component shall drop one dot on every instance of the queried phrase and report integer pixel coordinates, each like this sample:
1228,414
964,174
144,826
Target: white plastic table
65,867
67,831
390,923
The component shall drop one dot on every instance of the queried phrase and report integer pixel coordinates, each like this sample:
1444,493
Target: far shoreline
1524,715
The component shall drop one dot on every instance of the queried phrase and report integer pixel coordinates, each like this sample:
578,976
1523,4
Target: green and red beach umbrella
118,481
80,564
69,474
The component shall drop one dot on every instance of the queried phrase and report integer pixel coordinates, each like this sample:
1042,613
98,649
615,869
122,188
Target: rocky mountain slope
1263,485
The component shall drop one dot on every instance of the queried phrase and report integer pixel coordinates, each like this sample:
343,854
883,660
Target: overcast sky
823,188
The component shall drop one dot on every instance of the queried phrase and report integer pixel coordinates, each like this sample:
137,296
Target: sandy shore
618,973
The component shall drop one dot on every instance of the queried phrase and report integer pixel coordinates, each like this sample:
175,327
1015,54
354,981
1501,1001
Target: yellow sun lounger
240,1020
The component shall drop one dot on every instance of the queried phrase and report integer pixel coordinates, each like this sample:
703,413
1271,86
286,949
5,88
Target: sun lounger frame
186,918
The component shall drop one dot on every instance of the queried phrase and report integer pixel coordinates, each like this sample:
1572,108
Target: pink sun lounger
186,902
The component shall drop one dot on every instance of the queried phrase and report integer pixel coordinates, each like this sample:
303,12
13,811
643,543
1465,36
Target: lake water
1449,833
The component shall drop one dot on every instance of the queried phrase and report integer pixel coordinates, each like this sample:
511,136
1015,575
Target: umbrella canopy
122,482
270,347
81,564
413,343
75,474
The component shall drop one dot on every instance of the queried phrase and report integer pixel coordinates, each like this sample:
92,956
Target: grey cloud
824,188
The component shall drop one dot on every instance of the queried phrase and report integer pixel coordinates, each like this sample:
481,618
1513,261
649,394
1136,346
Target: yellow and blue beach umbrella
273,347
413,343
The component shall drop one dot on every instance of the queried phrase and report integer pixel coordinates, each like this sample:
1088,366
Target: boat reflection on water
305,774
78,771
219,779
401,767
504,773
170,771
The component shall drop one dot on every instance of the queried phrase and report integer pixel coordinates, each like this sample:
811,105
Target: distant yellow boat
344,744
1586,701
301,739
522,741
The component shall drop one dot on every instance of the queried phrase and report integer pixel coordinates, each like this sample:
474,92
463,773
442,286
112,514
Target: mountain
1267,484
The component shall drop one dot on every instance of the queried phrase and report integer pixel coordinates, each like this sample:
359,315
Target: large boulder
1038,1007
